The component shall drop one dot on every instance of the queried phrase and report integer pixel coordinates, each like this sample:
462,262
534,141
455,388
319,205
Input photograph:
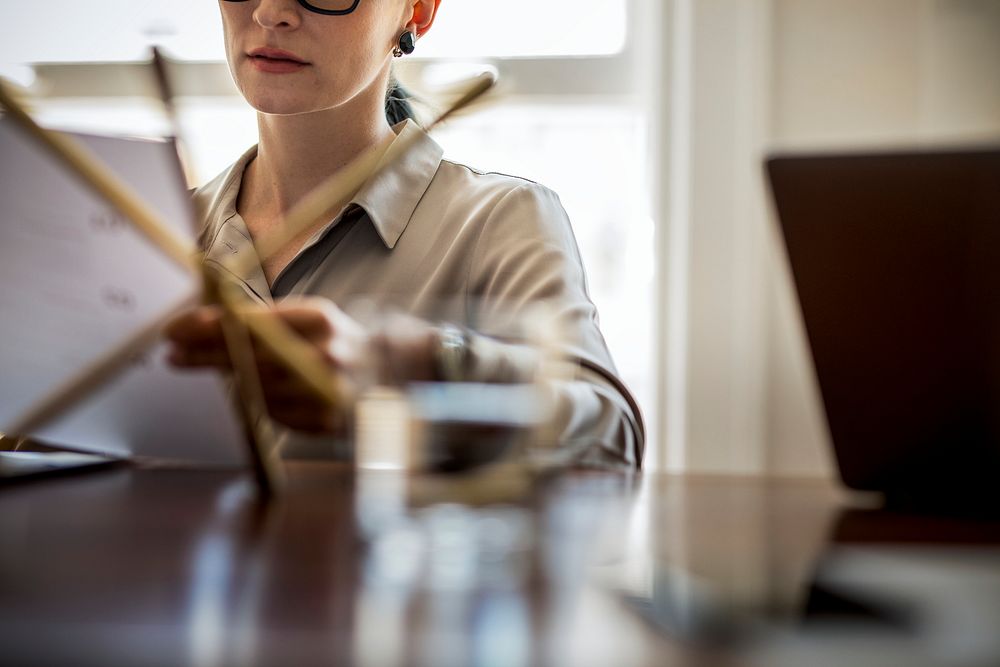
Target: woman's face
286,59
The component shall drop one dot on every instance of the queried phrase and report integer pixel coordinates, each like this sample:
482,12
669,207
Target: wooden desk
167,567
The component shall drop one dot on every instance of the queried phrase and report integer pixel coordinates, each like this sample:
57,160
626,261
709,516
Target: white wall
796,74
860,71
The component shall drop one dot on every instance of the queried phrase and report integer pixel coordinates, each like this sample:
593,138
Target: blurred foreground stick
300,358
336,192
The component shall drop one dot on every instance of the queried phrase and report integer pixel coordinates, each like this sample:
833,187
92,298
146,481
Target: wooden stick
91,378
481,85
281,340
165,90
330,195
167,97
106,184
298,356
250,402
336,191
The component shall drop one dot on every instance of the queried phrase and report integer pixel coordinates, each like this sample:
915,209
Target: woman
423,232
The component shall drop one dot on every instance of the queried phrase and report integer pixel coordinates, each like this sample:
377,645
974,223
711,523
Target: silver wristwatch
451,353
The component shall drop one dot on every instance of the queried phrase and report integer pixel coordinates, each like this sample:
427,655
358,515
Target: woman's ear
424,13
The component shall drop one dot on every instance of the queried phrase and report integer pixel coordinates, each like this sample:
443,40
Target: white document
76,281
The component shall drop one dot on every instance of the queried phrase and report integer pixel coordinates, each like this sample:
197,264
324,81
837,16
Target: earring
407,43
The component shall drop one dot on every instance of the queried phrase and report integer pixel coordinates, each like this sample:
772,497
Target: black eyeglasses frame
317,10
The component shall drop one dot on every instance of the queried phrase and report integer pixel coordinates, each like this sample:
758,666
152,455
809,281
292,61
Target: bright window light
109,30
526,28
123,30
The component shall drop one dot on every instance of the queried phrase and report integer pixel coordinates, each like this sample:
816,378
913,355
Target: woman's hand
399,352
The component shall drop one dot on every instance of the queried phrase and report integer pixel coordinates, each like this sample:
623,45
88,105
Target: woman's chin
285,105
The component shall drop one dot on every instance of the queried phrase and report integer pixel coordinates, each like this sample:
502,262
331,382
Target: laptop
896,262
16,466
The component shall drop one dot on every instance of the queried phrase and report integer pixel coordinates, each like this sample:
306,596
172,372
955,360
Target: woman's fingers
198,325
309,319
398,351
196,339
191,357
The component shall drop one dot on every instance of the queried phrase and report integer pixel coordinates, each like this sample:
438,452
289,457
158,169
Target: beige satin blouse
445,242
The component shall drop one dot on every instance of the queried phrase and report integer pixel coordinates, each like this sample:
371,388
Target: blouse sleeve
526,263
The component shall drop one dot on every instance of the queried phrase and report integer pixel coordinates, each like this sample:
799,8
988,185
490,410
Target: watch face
451,353
452,338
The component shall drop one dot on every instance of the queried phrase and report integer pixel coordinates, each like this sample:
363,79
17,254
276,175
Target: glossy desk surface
174,567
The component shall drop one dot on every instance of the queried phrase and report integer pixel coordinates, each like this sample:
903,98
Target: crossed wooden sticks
241,321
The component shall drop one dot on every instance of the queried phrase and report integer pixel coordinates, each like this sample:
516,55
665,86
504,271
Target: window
527,28
568,115
122,30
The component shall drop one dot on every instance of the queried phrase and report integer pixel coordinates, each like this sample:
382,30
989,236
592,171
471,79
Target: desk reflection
167,567
172,567
788,573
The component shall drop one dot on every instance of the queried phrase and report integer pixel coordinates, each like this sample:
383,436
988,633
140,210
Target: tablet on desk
25,465
83,290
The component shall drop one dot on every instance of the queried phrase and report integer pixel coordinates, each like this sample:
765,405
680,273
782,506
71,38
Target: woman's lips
276,61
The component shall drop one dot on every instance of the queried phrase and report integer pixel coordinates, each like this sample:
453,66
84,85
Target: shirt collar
405,172
225,234
389,197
